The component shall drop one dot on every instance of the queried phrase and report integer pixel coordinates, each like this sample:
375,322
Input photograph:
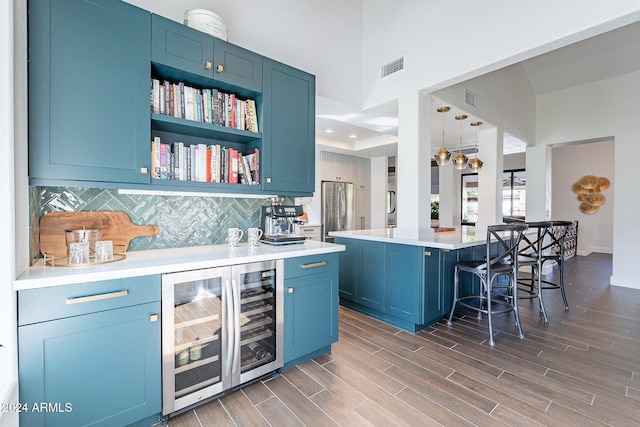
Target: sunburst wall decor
589,189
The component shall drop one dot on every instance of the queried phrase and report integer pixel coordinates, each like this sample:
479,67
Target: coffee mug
254,235
233,236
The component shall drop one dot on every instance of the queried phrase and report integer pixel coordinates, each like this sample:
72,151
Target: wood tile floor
583,368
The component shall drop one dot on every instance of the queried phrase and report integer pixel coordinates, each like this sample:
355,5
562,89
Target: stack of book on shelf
204,163
203,105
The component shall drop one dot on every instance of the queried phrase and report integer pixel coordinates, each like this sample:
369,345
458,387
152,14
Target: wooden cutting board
443,229
115,226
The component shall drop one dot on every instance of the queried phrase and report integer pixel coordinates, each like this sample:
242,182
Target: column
538,167
413,170
450,181
490,143
379,178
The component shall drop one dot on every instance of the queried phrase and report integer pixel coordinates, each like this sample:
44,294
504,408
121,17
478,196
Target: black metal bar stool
530,254
501,259
553,250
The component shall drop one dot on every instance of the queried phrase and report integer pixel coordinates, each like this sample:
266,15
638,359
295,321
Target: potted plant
435,214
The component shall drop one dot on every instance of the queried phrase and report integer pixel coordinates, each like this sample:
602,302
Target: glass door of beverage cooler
193,337
259,343
221,328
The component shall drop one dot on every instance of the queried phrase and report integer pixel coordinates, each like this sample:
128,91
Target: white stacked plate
207,22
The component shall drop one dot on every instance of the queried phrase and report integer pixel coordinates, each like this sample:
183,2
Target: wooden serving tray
443,229
115,226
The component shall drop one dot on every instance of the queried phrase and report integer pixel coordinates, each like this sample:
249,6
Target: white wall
379,180
13,190
446,43
607,109
323,38
569,164
514,161
504,99
8,351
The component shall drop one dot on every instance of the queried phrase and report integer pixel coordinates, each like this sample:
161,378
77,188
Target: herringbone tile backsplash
183,220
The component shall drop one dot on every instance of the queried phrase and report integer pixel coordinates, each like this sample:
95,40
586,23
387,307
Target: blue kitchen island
405,277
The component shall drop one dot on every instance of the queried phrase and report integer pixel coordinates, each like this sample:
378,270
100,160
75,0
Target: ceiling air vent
470,98
392,67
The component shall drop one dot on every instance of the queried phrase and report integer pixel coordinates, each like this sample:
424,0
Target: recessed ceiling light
329,131
353,136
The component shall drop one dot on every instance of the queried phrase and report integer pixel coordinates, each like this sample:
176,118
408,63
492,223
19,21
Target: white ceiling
607,55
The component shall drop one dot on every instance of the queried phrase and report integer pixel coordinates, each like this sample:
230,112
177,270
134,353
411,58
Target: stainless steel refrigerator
338,205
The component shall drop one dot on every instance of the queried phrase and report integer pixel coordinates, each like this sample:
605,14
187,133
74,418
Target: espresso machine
280,224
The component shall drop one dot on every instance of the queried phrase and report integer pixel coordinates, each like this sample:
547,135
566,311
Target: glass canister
88,236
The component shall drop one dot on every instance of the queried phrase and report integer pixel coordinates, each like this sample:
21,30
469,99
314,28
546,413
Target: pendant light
460,161
475,164
443,156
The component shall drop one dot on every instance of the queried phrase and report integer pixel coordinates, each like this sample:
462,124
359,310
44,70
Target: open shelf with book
180,126
205,135
203,105
183,160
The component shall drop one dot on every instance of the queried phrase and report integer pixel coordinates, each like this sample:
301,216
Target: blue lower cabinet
469,283
101,368
403,282
349,262
447,264
371,275
439,271
407,286
310,307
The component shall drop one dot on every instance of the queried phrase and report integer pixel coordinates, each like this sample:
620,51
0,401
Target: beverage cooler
222,327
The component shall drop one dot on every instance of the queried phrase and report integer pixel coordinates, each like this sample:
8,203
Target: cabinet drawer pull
289,290
208,65
314,264
220,68
90,298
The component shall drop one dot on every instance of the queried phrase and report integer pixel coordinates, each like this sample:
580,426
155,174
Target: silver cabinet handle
90,298
314,264
289,290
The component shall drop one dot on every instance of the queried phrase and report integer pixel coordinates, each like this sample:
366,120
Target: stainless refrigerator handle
229,319
340,208
236,330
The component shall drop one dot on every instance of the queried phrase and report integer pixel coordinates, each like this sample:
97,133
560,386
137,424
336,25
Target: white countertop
462,237
141,263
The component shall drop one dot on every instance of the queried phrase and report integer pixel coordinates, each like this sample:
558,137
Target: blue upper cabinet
88,105
288,118
181,47
237,66
191,51
97,69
